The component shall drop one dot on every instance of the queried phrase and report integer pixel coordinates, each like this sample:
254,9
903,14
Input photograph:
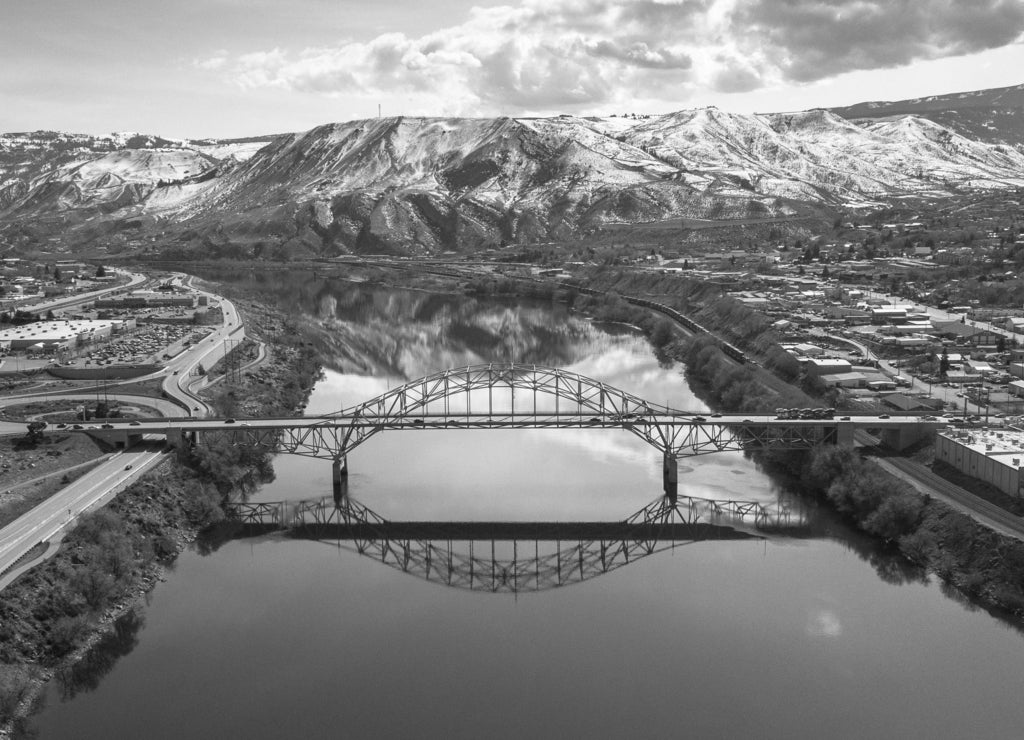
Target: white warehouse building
49,336
994,456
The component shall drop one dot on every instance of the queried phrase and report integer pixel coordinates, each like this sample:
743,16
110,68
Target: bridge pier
339,478
907,435
670,477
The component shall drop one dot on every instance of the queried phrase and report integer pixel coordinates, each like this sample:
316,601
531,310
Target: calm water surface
809,637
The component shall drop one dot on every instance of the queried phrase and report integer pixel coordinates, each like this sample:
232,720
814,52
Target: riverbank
52,617
52,614
981,564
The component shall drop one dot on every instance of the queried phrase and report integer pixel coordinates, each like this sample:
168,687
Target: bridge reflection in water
516,557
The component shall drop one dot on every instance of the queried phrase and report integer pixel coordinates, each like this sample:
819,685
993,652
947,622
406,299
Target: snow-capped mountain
426,184
995,116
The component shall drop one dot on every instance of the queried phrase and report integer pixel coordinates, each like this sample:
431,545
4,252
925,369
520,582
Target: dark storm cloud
548,54
813,39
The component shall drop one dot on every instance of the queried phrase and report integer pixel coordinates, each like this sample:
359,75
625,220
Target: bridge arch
574,396
539,397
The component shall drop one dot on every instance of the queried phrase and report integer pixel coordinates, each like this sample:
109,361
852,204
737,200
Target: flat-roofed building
53,335
845,380
994,456
827,366
887,314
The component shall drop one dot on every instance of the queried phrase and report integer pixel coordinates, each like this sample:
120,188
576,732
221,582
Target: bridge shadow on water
515,557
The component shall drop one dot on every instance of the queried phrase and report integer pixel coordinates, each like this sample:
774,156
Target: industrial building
51,336
993,456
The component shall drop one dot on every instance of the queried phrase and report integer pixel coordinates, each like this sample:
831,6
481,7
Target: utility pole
232,362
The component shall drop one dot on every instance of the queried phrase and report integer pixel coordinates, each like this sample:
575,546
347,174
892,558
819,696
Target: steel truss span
519,557
517,396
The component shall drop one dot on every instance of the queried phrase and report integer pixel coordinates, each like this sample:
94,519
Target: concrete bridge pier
339,478
670,477
906,435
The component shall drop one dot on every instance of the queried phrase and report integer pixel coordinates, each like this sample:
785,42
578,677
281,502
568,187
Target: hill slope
994,116
408,185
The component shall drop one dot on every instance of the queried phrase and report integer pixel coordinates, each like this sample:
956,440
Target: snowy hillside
428,184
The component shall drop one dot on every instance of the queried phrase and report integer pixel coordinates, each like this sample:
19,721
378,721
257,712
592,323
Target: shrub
895,516
68,632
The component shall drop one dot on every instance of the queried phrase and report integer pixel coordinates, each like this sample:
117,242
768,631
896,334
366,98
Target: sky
235,68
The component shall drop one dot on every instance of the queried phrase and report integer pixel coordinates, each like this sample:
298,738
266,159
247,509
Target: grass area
27,496
22,463
59,410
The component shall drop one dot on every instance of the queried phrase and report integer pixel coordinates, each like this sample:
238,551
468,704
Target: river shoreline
286,378
924,531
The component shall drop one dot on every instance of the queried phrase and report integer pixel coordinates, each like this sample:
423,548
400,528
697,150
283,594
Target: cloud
217,60
566,55
640,54
812,39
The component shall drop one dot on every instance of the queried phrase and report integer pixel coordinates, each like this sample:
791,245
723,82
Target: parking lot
148,344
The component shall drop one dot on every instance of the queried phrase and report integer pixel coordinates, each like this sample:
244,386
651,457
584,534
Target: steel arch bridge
518,557
518,396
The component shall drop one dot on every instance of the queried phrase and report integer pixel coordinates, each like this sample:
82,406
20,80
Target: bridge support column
339,478
670,477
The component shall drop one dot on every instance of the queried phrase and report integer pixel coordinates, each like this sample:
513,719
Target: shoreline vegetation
88,592
982,565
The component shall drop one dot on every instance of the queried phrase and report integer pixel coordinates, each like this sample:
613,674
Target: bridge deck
454,420
518,531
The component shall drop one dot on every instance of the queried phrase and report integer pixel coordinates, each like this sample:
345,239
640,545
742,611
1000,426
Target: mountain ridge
411,184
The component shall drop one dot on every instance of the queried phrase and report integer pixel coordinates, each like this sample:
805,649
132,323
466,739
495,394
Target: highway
135,280
49,519
180,383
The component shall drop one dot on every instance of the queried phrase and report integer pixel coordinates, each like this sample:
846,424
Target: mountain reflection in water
406,334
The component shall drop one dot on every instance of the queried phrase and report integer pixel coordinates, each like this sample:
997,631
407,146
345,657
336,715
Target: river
804,634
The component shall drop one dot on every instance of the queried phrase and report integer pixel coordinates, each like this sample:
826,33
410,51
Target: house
903,402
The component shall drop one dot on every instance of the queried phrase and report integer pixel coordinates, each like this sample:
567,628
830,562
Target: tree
825,274
662,333
35,431
944,363
1000,343
56,275
101,272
